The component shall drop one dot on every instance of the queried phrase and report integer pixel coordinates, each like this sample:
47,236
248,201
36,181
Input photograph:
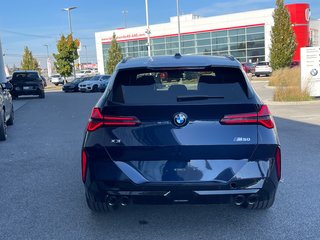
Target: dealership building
245,35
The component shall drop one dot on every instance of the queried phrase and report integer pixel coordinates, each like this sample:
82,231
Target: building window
246,44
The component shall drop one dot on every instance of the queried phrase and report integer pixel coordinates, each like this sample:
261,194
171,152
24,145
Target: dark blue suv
180,129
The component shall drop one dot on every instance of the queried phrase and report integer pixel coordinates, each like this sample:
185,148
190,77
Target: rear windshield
22,77
176,86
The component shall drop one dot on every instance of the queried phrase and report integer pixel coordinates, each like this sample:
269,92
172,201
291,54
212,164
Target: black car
205,140
6,109
27,83
74,85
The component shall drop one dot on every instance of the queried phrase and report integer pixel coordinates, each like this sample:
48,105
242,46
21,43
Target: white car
263,68
94,84
56,79
83,73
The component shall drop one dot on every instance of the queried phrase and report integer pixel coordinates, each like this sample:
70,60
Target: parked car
93,84
27,83
210,140
44,81
248,67
84,73
6,109
295,64
74,85
104,83
263,68
57,79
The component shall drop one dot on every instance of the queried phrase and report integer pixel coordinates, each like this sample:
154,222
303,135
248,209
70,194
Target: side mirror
7,86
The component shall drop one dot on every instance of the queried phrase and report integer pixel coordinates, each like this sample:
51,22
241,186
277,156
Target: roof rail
230,57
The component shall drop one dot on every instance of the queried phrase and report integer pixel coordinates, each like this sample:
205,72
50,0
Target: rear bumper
262,73
27,92
181,193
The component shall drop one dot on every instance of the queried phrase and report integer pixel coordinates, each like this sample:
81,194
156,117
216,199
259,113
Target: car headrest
207,79
177,88
144,80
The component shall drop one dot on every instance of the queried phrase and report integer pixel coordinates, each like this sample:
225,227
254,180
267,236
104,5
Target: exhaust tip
124,201
239,200
252,199
112,201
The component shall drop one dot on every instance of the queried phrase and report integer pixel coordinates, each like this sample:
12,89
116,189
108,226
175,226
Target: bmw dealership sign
310,70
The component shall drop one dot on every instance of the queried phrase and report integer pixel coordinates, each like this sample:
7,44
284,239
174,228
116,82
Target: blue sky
34,23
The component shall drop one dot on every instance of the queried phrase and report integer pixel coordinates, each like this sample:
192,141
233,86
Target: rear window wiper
197,97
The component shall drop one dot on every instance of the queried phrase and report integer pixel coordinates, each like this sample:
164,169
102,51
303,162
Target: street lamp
148,29
70,28
125,13
69,16
179,34
85,47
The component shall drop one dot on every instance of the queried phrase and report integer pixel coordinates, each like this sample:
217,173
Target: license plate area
27,88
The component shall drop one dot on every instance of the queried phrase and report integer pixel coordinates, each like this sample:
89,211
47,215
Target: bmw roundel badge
180,119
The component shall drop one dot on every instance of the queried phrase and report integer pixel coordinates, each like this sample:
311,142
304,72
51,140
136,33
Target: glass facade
246,44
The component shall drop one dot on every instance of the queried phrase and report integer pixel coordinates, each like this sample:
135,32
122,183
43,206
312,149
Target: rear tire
3,126
11,119
42,95
96,206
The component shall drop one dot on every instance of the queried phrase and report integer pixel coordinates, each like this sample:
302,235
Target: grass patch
287,83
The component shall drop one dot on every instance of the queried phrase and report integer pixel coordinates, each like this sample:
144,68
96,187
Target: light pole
47,46
148,29
179,34
48,61
70,28
125,13
85,47
2,71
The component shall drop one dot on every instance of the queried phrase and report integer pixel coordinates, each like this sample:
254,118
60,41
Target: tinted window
25,76
168,87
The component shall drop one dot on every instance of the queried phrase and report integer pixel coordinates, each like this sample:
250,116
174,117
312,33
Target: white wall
190,24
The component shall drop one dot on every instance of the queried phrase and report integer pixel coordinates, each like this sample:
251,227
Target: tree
115,55
28,61
283,39
67,54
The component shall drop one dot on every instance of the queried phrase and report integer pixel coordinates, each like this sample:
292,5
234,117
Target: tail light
98,120
83,165
278,162
262,117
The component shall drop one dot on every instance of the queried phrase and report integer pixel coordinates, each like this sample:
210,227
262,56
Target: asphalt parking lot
42,197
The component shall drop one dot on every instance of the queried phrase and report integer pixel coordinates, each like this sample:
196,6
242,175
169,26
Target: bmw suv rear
27,82
180,129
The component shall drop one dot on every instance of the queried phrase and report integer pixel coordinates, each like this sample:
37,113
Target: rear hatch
24,81
174,124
